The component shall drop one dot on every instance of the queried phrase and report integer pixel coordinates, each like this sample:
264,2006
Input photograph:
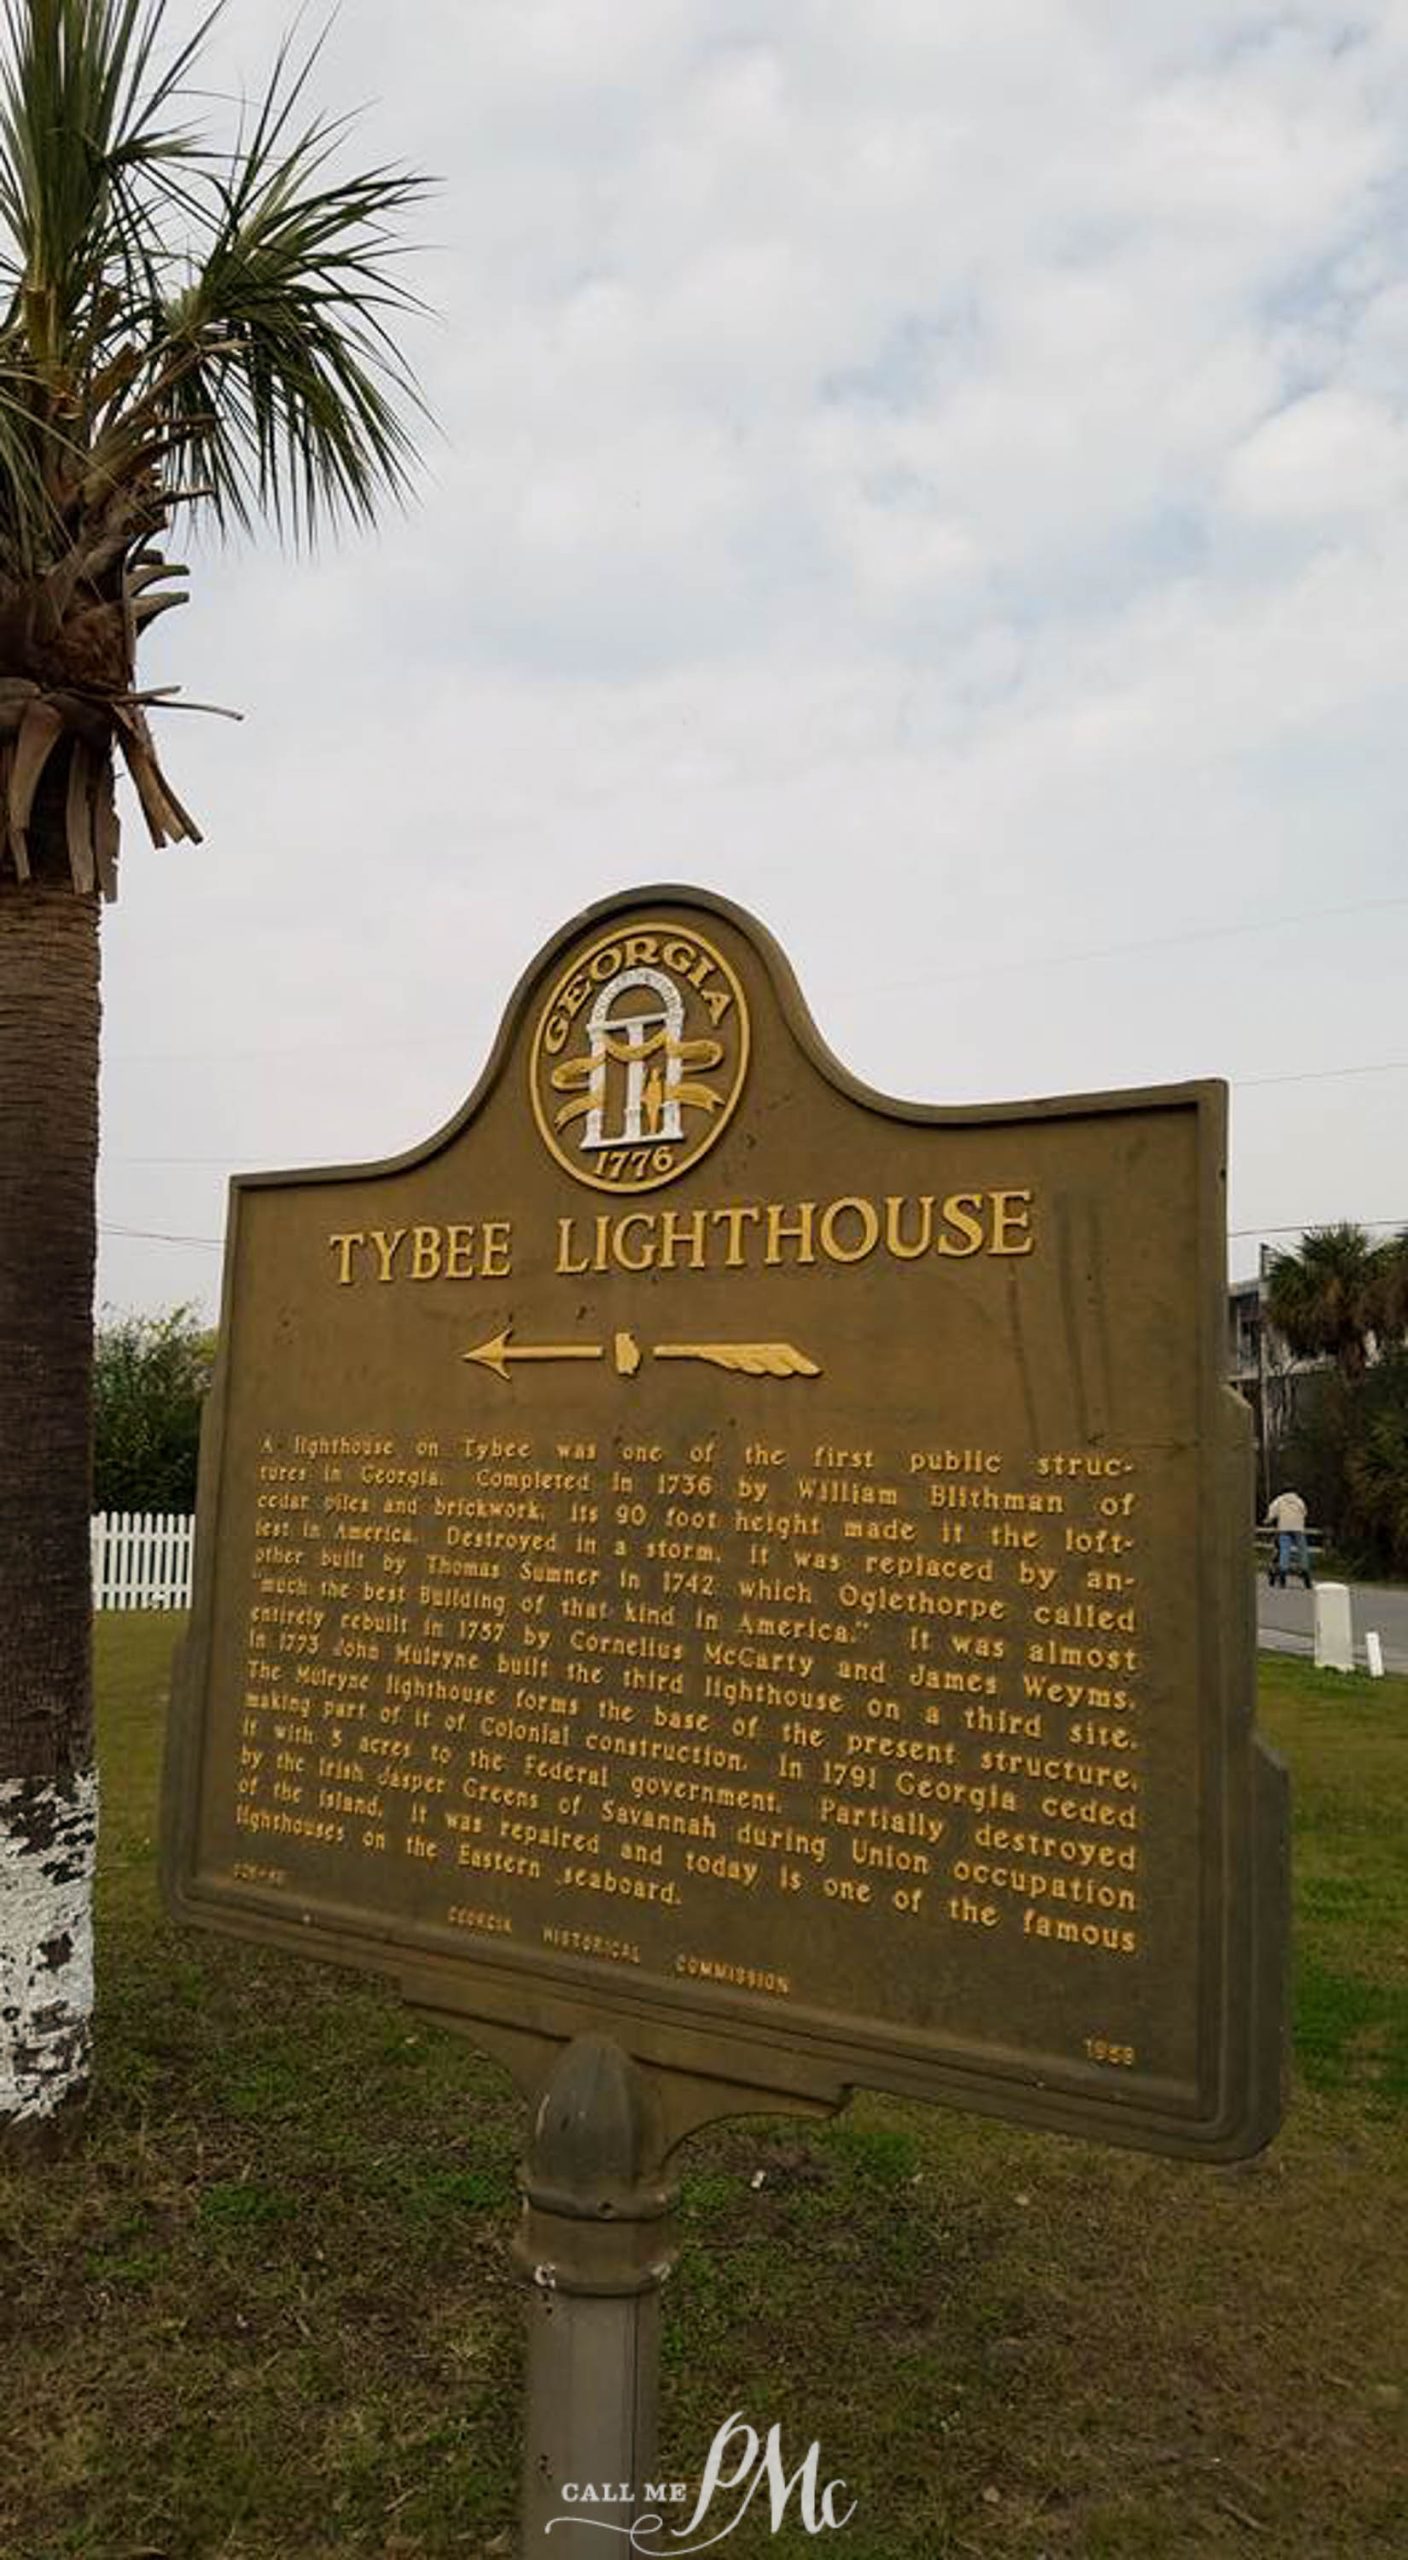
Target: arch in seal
651,1097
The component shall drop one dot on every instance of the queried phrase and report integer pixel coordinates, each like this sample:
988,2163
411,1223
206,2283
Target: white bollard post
1334,1629
1375,1654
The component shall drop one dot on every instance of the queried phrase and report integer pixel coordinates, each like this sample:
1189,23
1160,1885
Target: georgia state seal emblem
638,1055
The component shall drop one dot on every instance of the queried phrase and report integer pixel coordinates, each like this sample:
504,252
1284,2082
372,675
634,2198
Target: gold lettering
963,1210
733,1219
782,1229
642,1260
673,1222
894,1221
496,1248
459,1253
345,1245
425,1253
865,1211
569,1004
1018,1218
386,1248
565,1240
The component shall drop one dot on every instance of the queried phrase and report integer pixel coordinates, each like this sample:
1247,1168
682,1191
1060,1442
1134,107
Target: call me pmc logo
639,1056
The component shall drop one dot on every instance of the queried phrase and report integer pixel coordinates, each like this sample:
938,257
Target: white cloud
935,474
1330,456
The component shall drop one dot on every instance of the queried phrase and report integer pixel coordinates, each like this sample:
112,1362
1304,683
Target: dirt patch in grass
261,2307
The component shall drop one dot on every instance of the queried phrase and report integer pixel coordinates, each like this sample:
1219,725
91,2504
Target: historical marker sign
704,1552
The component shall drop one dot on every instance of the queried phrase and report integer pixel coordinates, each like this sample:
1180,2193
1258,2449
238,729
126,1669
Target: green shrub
150,1375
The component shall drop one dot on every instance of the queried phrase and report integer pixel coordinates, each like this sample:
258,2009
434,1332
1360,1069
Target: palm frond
89,164
82,107
179,327
286,376
239,310
1321,1296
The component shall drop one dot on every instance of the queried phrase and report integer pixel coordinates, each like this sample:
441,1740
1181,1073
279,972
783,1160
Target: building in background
1263,1368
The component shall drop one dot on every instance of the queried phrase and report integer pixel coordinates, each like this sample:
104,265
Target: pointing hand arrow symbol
751,1359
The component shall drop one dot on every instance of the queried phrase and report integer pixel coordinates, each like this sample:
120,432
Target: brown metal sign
702,1552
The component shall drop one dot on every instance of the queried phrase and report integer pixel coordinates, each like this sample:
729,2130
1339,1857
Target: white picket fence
142,1559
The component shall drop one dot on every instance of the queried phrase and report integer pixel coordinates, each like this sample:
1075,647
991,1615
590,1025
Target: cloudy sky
934,472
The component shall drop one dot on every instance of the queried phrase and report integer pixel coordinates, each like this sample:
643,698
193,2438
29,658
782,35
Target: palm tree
1391,1290
1325,1298
1377,1467
180,329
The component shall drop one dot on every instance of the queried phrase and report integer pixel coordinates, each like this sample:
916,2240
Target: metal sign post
597,2242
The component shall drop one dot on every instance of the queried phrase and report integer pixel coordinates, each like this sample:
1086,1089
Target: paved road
1285,1620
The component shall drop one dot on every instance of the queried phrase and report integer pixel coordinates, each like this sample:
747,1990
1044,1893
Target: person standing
1287,1517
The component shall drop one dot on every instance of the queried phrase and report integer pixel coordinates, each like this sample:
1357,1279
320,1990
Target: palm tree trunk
49,964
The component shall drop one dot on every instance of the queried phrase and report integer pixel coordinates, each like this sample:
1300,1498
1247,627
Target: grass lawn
261,2307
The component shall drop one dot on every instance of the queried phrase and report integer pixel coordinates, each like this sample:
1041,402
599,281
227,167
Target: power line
900,986
1239,1084
1322,1075
1304,1226
155,1235
1118,950
303,1049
